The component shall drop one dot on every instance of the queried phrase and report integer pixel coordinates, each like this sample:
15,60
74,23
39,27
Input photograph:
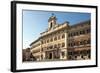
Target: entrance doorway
50,55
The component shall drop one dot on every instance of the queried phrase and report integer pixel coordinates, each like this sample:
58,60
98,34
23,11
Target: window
70,53
63,54
63,44
76,53
71,34
83,31
76,33
48,41
88,41
69,44
88,51
80,32
69,57
89,56
50,25
88,30
73,43
75,57
55,38
41,49
59,37
51,39
82,56
55,46
59,45
63,36
81,43
76,43
41,56
51,47
84,42
84,52
42,42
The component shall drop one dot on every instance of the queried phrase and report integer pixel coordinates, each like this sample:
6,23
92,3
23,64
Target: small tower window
50,25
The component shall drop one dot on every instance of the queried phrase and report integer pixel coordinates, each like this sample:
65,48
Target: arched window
55,38
63,36
51,47
63,44
55,46
42,42
51,39
58,37
63,54
59,45
51,25
47,40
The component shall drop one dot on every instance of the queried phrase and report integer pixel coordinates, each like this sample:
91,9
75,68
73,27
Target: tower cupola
52,21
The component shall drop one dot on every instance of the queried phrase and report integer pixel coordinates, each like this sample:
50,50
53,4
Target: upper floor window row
55,38
59,45
79,32
77,43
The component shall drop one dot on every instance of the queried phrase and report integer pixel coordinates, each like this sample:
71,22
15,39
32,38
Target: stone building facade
63,41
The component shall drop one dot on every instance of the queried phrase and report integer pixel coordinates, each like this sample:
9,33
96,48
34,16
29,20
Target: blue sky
35,22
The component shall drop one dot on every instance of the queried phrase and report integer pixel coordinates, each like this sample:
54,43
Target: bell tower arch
52,21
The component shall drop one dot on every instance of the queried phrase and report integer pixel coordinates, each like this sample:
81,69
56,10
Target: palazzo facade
63,41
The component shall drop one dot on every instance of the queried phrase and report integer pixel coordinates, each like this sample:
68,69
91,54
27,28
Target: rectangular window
63,54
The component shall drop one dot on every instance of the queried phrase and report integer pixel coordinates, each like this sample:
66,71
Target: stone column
66,42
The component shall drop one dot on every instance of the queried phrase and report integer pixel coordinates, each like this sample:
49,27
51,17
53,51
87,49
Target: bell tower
52,21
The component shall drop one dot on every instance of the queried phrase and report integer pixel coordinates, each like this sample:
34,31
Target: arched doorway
50,55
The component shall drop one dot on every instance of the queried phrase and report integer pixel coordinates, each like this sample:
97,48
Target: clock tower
52,22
